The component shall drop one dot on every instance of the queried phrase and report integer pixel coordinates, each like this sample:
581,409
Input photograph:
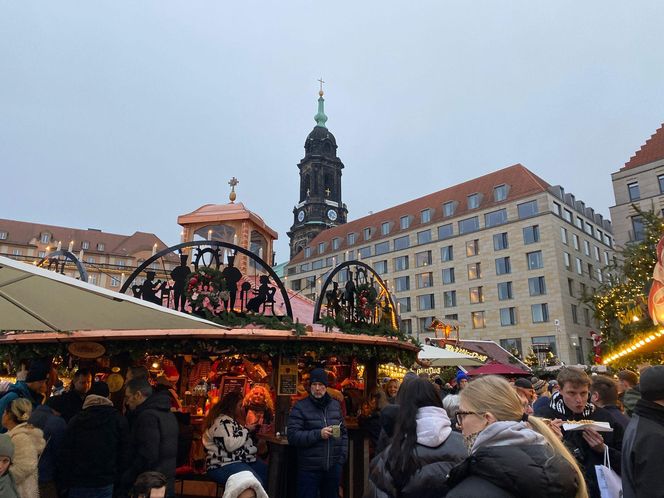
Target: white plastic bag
610,484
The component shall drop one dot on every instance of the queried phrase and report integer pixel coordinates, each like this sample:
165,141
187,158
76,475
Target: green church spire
320,116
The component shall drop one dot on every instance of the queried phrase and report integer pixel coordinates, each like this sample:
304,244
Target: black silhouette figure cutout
180,276
264,290
332,297
349,296
232,276
150,288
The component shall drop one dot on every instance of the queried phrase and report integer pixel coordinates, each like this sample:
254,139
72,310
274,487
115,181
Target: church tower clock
320,204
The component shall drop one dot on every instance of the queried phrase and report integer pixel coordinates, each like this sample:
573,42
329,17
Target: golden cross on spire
321,86
233,182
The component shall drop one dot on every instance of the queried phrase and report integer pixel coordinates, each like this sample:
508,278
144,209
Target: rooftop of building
651,151
225,212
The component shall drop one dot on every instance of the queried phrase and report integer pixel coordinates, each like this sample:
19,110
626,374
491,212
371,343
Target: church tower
320,204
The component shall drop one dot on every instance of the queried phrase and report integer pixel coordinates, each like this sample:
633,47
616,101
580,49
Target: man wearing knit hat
316,428
33,388
7,487
644,439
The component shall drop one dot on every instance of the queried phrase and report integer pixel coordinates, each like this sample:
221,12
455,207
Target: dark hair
402,461
82,372
606,389
146,482
573,376
628,376
140,385
225,406
138,372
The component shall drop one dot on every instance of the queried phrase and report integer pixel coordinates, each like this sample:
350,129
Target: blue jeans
221,474
312,482
103,492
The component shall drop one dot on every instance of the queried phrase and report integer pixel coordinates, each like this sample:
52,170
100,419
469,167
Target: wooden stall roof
246,334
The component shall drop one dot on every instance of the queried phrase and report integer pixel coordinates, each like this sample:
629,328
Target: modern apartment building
505,254
640,182
109,258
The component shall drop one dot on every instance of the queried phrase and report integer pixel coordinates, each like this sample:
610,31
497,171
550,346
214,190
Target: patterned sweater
226,442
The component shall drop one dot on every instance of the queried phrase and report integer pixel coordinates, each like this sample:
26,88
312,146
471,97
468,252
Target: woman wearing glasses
511,453
423,449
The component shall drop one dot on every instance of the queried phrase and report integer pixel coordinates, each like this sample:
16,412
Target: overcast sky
121,115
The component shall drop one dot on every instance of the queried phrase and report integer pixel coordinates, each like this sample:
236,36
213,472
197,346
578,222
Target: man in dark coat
587,445
71,402
316,428
154,434
644,439
604,394
628,383
95,448
54,428
32,388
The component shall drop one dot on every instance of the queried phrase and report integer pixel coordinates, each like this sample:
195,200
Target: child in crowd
7,487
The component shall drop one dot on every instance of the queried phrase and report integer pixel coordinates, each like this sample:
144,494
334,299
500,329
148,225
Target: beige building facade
640,183
505,254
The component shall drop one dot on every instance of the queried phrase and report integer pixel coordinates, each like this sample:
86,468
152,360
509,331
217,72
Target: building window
582,288
115,282
100,247
425,216
422,258
596,253
380,266
588,228
474,271
92,279
540,312
586,247
579,266
660,180
556,209
425,302
477,318
448,209
321,248
500,241
307,252
600,277
448,275
3,235
424,236
403,305
90,260
382,247
85,245
402,284
505,291
638,232
41,254
512,345
476,295
45,237
296,285
472,247
536,286
535,260
305,267
451,316
473,201
406,326
606,258
503,266
445,231
449,299
424,280
364,252
570,287
425,323
507,317
495,218
567,261
586,317
567,215
447,253
633,190
404,222
16,252
579,223
469,225
527,209
401,243
317,265
500,193
385,228
335,243
367,233
531,234
350,255
575,240
120,263
351,238
563,235
401,263
330,261
545,343
575,314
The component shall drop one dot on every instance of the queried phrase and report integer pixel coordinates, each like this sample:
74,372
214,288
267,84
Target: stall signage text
474,354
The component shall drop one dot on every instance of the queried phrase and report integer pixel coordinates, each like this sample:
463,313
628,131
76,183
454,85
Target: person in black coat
644,439
154,434
511,453
604,394
70,403
54,428
587,445
94,451
316,428
423,449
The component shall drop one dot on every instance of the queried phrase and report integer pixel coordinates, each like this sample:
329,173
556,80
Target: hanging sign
287,376
232,384
86,349
474,354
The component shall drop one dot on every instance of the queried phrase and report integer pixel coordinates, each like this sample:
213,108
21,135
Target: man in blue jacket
316,428
33,388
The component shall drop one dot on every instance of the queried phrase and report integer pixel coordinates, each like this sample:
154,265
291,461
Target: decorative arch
57,260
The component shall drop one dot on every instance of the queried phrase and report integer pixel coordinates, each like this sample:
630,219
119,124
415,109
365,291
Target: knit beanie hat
460,376
540,386
652,383
318,375
38,371
6,446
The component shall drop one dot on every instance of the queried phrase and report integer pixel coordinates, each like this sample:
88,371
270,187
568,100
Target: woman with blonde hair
28,445
511,453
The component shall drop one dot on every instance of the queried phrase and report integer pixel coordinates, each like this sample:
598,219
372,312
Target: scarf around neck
557,403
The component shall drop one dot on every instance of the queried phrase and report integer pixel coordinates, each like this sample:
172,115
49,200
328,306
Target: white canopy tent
440,357
35,299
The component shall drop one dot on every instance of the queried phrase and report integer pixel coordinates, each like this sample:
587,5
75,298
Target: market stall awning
497,369
439,357
37,300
